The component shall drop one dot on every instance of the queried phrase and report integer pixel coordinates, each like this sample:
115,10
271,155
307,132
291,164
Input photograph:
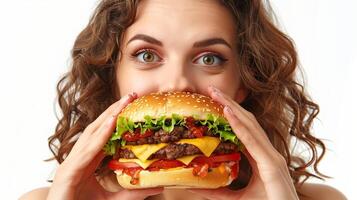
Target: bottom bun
177,178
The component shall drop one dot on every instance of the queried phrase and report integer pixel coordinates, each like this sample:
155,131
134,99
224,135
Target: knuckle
251,124
235,123
246,138
249,140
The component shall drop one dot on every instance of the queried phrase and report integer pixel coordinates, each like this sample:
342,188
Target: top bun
165,104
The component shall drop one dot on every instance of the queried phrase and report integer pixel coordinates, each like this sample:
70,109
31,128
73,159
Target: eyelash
138,52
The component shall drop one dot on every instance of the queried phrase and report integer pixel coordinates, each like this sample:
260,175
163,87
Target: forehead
183,19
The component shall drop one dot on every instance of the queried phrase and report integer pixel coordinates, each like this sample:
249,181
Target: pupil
148,57
208,60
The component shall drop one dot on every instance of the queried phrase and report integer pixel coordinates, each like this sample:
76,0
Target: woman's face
179,46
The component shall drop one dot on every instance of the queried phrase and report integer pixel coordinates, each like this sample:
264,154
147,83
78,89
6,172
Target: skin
177,66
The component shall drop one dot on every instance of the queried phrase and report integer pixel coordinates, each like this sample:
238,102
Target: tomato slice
165,164
115,165
212,161
159,164
217,158
226,157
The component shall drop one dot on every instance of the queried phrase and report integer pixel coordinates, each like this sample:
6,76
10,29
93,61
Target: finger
246,127
216,194
136,194
90,144
114,109
257,148
95,142
90,169
224,99
243,115
87,146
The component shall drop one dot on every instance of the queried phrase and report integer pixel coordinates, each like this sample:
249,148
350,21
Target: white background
35,41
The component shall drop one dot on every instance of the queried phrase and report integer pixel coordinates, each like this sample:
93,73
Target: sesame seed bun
166,104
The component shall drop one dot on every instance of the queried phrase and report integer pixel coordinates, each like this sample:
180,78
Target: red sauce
197,131
132,137
134,174
200,170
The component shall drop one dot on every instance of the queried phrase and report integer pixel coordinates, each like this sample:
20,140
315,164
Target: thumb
136,194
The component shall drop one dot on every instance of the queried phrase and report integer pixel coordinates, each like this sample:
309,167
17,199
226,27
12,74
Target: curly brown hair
268,67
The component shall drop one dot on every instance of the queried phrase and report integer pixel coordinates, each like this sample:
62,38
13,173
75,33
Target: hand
271,179
75,177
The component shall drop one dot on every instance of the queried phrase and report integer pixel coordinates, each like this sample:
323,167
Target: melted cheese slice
143,152
187,159
206,144
142,164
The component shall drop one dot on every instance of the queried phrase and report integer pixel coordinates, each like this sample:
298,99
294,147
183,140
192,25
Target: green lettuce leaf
110,147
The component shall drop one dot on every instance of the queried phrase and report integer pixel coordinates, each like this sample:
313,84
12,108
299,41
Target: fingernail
134,95
228,109
126,97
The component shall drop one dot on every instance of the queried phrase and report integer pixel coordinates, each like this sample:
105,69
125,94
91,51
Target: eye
211,59
146,56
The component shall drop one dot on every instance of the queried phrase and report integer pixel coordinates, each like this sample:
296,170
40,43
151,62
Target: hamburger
173,139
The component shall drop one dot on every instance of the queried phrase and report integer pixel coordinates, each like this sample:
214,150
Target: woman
229,50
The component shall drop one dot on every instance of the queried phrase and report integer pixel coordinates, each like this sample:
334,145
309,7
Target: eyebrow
203,43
